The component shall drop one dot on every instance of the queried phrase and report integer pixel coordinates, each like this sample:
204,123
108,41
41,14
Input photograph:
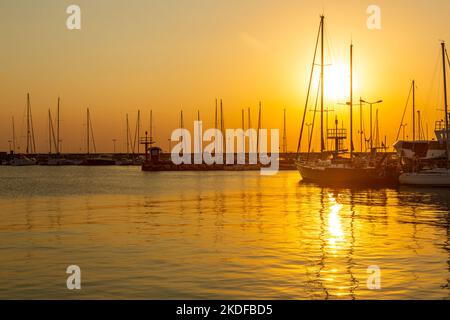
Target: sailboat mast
28,123
259,127
322,146
419,125
215,117
151,126
351,101
14,136
361,123
284,132
87,130
128,136
243,130
414,110
138,126
58,149
445,102
49,132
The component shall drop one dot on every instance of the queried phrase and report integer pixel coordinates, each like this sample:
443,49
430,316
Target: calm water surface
215,235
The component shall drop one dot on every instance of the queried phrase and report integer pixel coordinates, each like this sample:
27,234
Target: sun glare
337,82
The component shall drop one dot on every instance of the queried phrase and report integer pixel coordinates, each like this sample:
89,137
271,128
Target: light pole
371,127
10,149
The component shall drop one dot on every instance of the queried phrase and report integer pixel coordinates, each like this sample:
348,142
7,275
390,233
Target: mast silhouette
305,111
259,128
413,110
128,135
31,143
58,148
284,132
351,101
322,20
445,101
88,131
14,136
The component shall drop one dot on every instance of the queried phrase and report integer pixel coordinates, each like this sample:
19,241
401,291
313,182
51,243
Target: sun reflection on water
334,223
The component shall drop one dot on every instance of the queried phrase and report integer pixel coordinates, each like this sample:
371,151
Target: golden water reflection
217,235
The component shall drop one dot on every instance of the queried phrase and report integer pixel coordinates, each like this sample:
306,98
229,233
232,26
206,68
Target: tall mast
259,127
243,130
445,101
222,124
284,132
215,117
14,136
200,138
58,149
249,124
28,123
322,146
361,132
351,101
151,126
414,109
419,125
138,126
87,130
31,144
128,136
377,132
221,116
49,132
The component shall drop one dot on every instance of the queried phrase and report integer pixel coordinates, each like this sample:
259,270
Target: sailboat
434,175
339,170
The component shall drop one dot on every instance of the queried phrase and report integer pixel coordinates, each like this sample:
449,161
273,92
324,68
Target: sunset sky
168,55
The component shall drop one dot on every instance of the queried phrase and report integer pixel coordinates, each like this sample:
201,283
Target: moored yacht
336,168
433,173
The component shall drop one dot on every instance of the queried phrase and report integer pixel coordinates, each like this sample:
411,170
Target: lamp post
371,104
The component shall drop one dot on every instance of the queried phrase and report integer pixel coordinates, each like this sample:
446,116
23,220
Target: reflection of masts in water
322,244
354,283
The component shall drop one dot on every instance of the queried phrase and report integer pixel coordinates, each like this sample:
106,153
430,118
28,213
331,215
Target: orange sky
179,54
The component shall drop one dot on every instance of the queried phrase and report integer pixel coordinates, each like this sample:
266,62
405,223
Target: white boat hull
433,178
